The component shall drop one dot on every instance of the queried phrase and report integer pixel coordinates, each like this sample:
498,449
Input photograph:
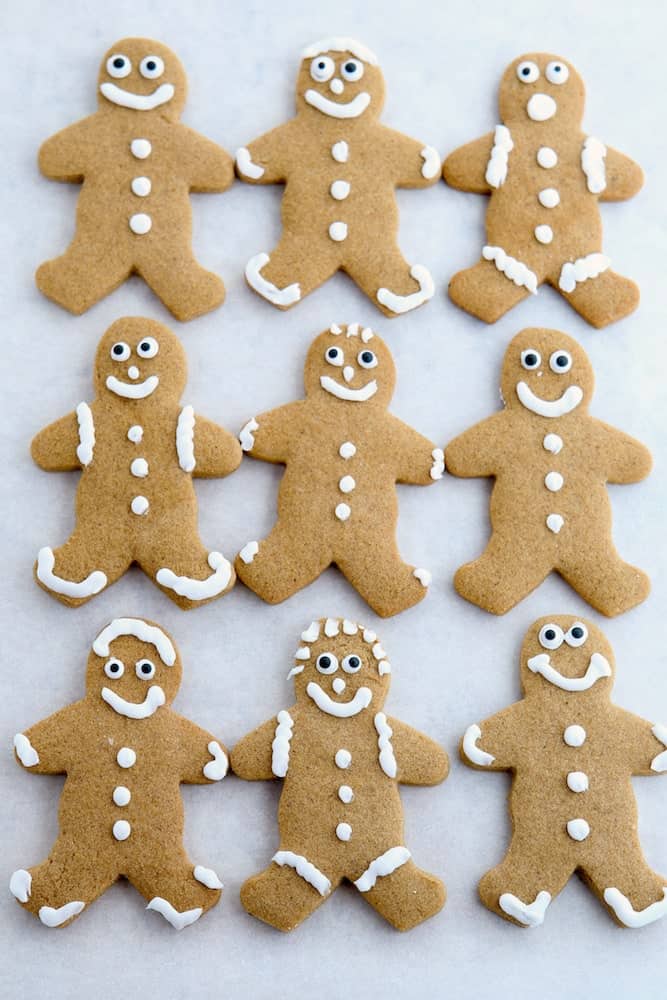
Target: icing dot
340,190
552,443
139,505
121,829
139,468
121,795
553,481
578,829
141,186
544,234
135,433
555,522
345,794
343,759
347,484
546,157
141,148
347,450
140,223
575,736
343,831
340,151
338,231
577,781
549,198
343,511
126,757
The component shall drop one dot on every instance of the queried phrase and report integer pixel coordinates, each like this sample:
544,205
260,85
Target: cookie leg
184,568
286,892
82,567
485,292
83,275
395,286
506,572
521,887
288,559
175,888
399,891
598,573
634,894
375,569
294,269
185,287
600,300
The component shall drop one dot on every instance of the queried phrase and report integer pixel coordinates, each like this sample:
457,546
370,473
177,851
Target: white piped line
207,877
198,590
52,917
404,303
278,296
528,914
178,919
93,583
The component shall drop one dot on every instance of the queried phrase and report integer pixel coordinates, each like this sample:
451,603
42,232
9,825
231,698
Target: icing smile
137,391
569,400
138,102
349,109
345,392
342,709
132,709
598,667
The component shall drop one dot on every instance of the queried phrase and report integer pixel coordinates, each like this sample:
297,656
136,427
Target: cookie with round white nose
341,168
572,754
545,177
551,462
137,448
343,454
138,165
341,760
125,753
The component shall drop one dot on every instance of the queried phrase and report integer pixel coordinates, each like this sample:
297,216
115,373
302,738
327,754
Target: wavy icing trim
496,168
303,867
185,439
84,416
339,43
574,272
140,630
384,865
593,153
280,747
386,750
512,268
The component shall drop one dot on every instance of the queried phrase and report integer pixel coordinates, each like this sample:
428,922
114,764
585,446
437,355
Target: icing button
339,190
553,482
552,443
346,484
338,231
121,829
126,757
343,759
577,781
141,148
546,157
344,831
345,794
555,522
347,450
340,151
121,795
139,468
578,829
549,198
135,433
141,186
140,224
343,511
139,505
575,736
544,234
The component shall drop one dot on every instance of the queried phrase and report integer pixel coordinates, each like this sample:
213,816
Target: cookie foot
281,297
627,915
199,590
176,918
404,303
287,892
82,590
528,914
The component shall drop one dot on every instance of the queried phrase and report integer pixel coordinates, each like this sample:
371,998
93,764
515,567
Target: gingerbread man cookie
342,759
572,754
341,168
344,454
545,178
138,165
551,462
125,753
138,449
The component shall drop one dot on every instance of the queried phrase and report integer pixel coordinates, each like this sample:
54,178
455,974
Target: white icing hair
338,44
140,630
332,628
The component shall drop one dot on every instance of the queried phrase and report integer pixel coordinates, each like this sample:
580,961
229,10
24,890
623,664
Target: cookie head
340,79
351,365
340,669
142,75
134,668
541,88
140,359
567,655
547,373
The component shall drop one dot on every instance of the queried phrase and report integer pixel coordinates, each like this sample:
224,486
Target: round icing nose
133,371
541,107
337,86
348,373
338,685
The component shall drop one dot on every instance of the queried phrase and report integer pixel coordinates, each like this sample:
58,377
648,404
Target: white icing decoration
541,107
384,667
343,511
175,917
345,794
547,157
139,391
133,372
135,433
52,917
139,468
565,403
139,505
341,709
84,416
578,829
575,736
548,198
384,865
340,44
346,484
438,466
340,190
553,481
627,914
139,102
344,831
121,829
141,148
555,522
140,223
349,628
386,750
528,914
281,744
340,151
352,330
404,303
338,685
331,628
154,699
246,166
472,751
198,590
573,273
338,231
308,872
593,153
20,885
345,392
207,877
378,651
369,636
216,769
343,759
496,168
286,296
312,633
512,268
302,653
25,751
598,667
336,86
126,757
431,166
544,234
295,670
140,630
121,795
553,443
247,435
577,781
141,186
185,439
92,584
334,109
366,334
423,575
659,763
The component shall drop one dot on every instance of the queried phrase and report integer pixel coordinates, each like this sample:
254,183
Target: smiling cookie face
350,364
134,667
547,373
567,654
141,74
540,88
340,79
341,669
138,358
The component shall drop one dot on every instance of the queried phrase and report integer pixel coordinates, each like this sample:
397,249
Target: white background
453,664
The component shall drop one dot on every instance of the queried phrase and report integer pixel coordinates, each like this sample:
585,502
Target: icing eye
334,356
352,70
560,362
322,69
145,670
530,359
151,67
576,635
327,663
148,347
367,359
120,351
118,66
351,664
557,72
527,72
114,668
551,636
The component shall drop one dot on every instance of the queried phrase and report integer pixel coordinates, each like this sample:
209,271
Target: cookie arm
252,757
476,452
54,449
419,759
63,156
625,459
642,744
207,167
265,161
418,460
268,436
489,745
624,178
413,164
48,747
204,759
217,452
465,168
